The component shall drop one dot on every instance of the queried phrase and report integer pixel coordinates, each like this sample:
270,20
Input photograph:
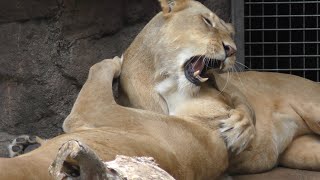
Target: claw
226,129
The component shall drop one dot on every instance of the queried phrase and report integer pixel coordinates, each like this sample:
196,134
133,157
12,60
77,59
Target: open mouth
196,67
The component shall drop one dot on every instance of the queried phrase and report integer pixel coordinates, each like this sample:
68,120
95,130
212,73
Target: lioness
169,78
163,72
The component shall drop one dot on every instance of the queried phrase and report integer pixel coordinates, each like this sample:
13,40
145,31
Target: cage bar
282,36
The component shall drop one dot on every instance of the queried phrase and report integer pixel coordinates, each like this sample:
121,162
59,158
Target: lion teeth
204,79
196,73
201,79
221,66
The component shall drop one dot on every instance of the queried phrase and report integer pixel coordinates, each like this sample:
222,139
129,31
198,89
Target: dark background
283,36
47,48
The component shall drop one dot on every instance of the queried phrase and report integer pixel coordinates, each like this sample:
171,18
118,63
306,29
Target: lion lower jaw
176,92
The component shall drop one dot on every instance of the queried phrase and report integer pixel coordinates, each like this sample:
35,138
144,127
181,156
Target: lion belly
278,122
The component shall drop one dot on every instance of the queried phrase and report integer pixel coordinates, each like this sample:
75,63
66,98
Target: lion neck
137,80
143,84
171,91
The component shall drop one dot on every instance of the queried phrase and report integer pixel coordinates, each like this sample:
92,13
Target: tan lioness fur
188,144
286,106
287,122
180,146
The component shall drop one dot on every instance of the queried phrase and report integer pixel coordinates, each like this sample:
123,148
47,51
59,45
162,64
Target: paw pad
23,144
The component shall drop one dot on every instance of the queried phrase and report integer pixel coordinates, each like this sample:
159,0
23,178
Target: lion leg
238,130
23,144
95,96
310,113
303,153
307,106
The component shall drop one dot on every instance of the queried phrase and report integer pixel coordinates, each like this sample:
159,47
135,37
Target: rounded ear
171,6
165,6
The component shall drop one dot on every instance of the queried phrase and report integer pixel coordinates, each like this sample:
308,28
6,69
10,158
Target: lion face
192,40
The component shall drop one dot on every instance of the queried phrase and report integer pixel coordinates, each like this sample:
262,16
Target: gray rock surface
47,48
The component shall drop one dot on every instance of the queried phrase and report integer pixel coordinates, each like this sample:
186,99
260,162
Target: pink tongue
198,65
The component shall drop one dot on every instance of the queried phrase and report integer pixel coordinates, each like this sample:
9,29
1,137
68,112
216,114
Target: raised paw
107,65
117,63
23,144
238,130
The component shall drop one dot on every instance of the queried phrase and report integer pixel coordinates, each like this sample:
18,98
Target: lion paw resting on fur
238,130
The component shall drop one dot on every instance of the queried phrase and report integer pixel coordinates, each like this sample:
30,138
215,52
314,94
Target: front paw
23,144
238,130
107,65
117,65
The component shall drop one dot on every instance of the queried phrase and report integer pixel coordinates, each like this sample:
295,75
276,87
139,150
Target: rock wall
47,48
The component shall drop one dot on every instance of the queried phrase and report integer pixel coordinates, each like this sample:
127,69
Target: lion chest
169,91
175,102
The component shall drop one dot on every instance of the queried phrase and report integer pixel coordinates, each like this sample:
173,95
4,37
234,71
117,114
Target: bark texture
76,161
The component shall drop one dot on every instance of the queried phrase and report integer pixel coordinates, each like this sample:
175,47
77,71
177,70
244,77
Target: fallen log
76,161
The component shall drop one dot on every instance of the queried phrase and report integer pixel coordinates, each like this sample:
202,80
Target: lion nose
229,50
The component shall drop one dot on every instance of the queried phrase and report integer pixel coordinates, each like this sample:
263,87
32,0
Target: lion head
191,40
175,49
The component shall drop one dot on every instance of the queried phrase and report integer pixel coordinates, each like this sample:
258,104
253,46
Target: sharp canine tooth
201,79
221,65
196,73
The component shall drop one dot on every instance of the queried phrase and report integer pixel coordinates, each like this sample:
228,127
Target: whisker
228,77
237,68
200,57
206,62
239,63
237,73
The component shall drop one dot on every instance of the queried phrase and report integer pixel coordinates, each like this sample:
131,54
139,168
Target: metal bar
277,39
238,21
290,48
288,69
304,38
277,16
284,29
280,56
285,2
318,44
250,35
313,54
263,25
306,42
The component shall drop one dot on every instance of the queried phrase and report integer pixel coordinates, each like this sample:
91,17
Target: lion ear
171,6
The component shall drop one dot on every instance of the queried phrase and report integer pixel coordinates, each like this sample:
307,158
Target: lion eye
207,21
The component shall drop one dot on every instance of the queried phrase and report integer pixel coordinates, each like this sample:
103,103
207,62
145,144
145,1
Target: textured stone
22,10
221,7
47,48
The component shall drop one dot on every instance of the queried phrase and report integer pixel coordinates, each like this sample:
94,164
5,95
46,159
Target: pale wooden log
77,161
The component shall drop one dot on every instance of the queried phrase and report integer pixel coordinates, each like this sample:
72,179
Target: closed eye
207,21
